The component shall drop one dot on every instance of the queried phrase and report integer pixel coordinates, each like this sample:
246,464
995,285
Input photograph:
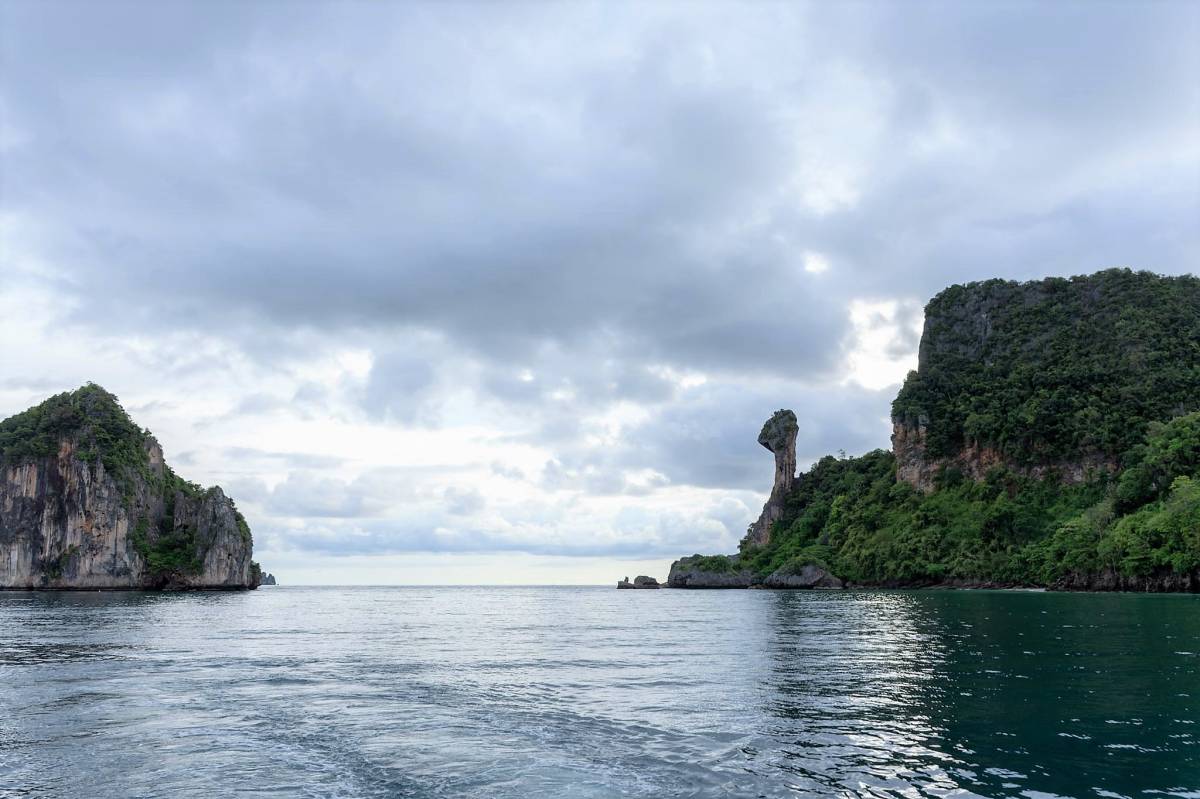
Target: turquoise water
593,692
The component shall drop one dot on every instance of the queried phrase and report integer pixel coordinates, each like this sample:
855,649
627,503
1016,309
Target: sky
503,292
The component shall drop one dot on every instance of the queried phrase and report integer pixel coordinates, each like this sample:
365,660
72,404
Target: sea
593,692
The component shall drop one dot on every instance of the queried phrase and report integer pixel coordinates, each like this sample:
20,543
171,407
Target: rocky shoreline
1190,584
639,582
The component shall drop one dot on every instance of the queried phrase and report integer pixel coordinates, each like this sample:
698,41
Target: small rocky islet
641,581
1049,438
87,501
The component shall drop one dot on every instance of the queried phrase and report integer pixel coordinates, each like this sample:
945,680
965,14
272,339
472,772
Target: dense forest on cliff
1043,373
1052,368
94,420
853,517
89,415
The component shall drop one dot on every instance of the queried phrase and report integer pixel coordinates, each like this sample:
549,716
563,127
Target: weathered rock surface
779,436
686,573
68,522
915,467
808,576
1077,345
641,581
1162,581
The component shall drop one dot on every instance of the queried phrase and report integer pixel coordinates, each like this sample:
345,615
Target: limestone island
87,502
1049,437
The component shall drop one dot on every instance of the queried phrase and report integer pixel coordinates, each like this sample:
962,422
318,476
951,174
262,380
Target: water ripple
543,692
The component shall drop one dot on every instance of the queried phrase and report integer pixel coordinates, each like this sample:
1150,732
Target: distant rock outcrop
87,501
716,571
268,579
641,581
779,436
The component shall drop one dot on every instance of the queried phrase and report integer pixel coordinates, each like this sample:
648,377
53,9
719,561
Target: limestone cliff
1052,434
917,467
1051,378
779,436
87,502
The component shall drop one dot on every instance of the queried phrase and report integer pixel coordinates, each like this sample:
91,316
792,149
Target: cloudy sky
447,293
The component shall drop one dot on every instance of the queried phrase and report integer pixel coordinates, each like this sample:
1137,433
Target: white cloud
883,346
504,279
815,263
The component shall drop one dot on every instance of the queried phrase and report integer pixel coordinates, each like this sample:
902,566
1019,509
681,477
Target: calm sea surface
593,692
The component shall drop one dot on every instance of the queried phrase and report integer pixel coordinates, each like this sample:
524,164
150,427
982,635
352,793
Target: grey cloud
707,438
507,471
186,458
308,491
307,495
501,255
290,460
907,323
546,207
34,386
641,536
247,491
598,477
463,501
399,384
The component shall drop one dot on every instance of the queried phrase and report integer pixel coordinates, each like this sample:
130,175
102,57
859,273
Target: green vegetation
852,517
172,482
55,567
1046,370
172,550
1041,372
1171,451
92,419
243,526
717,564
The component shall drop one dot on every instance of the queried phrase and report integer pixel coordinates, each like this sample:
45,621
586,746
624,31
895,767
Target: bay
593,692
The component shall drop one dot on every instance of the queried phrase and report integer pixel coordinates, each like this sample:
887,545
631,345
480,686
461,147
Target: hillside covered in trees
1049,437
87,501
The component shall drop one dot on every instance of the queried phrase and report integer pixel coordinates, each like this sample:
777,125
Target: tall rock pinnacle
779,436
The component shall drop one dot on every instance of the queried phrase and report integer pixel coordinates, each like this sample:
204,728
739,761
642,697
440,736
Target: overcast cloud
522,281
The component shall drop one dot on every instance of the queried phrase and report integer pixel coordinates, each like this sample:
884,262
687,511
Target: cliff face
71,520
1052,378
779,436
1052,434
915,466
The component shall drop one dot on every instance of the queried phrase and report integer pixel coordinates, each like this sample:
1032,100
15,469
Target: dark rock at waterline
808,576
1160,581
721,571
700,572
641,581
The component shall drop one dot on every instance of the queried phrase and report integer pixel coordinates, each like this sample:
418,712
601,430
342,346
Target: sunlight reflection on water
507,692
